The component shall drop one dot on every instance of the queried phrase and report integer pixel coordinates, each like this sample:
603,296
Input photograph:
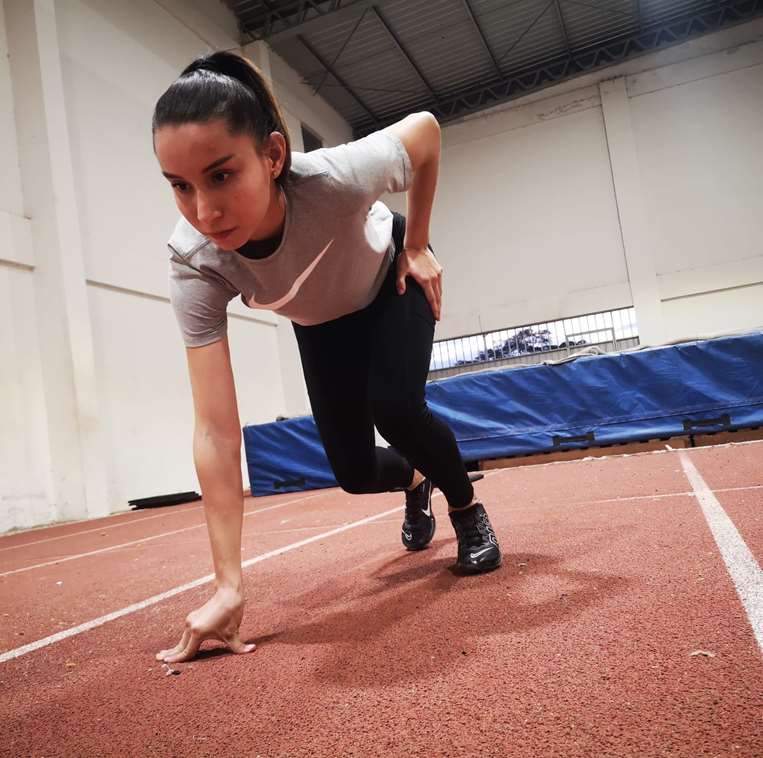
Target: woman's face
223,186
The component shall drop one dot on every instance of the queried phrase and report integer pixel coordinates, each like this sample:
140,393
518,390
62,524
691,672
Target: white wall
638,185
95,404
24,488
24,459
532,216
699,146
146,405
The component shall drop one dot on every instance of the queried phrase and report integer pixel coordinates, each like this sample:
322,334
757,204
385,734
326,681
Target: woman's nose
205,211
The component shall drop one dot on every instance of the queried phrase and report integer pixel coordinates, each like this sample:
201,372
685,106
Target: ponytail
226,86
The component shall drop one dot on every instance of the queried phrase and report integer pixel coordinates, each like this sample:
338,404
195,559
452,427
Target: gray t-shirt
335,250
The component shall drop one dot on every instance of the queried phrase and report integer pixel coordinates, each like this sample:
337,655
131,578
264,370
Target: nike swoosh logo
292,293
479,553
428,510
408,536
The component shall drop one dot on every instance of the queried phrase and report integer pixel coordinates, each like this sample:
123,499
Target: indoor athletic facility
582,185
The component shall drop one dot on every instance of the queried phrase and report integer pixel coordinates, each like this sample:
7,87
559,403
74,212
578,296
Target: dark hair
227,86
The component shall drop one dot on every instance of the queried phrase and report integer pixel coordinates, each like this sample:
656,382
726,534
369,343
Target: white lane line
53,638
97,529
624,499
740,562
738,489
148,539
628,498
130,522
133,521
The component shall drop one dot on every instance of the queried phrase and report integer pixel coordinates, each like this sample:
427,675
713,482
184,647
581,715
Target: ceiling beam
485,44
271,10
524,33
310,18
655,37
381,90
399,45
341,50
602,8
341,81
565,36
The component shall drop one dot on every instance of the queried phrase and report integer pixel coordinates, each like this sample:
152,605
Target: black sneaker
477,545
419,524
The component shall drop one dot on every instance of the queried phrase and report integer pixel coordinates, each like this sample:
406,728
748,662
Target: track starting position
305,235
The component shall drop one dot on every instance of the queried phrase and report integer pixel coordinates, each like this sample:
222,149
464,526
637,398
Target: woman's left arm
420,135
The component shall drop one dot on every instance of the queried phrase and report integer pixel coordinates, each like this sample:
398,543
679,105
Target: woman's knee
400,420
356,486
357,479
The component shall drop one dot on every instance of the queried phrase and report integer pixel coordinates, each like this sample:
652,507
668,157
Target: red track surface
580,645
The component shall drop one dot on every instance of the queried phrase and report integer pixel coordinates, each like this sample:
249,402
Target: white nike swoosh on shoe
408,536
428,510
479,552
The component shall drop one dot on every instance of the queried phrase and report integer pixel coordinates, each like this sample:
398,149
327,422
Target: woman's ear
276,153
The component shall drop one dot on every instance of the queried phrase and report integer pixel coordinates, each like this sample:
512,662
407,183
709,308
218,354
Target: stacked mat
692,387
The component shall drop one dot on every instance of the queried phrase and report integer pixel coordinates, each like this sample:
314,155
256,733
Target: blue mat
693,387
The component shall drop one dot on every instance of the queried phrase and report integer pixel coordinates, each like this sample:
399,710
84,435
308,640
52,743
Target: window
310,139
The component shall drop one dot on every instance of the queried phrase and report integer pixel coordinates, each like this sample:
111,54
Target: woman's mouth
223,235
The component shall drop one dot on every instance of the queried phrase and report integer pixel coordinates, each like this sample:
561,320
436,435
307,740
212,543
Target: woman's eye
219,178
224,174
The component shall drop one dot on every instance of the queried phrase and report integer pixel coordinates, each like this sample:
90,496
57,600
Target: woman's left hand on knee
422,266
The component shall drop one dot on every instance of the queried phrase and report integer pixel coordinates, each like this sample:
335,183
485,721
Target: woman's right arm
217,455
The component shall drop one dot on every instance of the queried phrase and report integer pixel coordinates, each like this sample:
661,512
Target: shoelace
488,528
412,504
469,533
476,531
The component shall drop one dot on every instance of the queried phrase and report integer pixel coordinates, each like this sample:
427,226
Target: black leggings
370,368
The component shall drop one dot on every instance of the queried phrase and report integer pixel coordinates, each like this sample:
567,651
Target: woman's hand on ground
424,268
219,618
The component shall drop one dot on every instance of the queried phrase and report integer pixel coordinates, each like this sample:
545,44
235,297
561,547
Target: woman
305,236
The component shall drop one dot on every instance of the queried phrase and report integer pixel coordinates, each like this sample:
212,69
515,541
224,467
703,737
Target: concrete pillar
634,223
259,53
76,482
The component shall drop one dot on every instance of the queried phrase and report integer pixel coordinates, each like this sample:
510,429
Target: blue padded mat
693,387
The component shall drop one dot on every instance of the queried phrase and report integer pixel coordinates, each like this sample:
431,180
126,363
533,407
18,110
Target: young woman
304,235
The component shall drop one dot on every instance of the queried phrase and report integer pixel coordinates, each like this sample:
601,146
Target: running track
585,643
